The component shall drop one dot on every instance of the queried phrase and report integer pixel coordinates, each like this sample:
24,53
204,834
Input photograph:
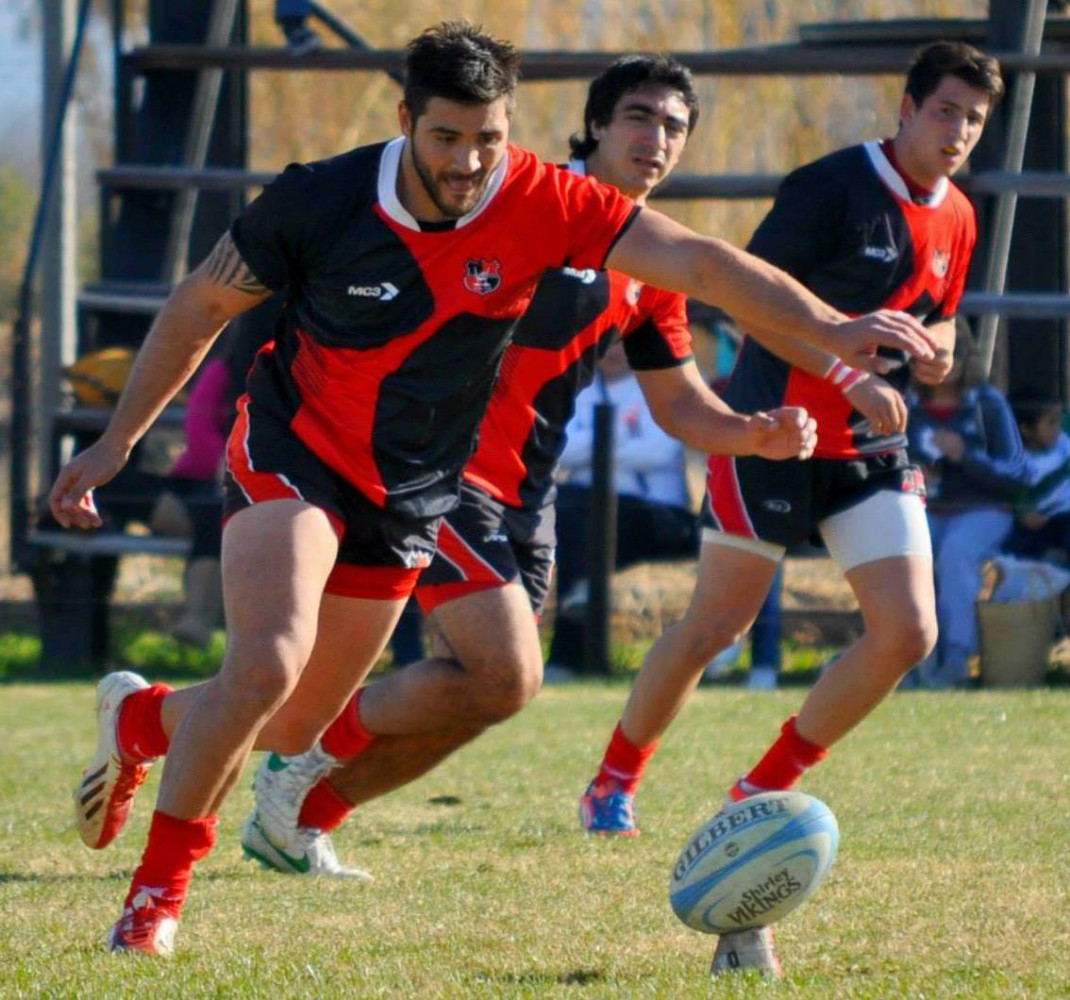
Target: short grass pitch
951,879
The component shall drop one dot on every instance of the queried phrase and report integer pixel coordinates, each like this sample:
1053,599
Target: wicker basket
1016,641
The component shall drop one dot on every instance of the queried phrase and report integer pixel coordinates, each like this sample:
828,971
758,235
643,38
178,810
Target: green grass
951,878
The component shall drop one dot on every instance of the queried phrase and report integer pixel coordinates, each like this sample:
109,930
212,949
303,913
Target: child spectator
1043,513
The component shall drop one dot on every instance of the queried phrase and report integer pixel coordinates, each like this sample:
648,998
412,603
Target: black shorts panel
266,461
484,544
784,502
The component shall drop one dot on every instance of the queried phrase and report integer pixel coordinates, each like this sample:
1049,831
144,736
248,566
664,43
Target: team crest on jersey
633,291
941,262
482,276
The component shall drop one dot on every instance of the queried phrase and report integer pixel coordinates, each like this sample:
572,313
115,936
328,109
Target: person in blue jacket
1043,512
964,435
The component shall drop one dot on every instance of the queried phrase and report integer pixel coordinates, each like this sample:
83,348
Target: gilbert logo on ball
754,862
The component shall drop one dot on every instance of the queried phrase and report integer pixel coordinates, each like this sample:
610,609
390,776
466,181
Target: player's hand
883,406
856,341
71,497
936,369
789,432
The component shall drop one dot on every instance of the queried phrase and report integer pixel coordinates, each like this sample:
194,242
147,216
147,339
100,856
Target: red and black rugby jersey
847,227
574,318
392,335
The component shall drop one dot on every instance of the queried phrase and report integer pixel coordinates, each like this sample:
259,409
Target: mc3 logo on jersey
384,291
588,275
777,506
482,276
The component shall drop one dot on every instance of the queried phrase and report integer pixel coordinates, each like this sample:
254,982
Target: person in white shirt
653,515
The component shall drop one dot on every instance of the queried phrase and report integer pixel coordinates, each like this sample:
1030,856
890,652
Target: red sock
324,808
346,736
785,761
166,868
140,728
624,762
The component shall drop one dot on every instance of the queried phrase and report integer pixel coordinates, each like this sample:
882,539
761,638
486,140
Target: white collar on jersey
390,164
894,180
578,167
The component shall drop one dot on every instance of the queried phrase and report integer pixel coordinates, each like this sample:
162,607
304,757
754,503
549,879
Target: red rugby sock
346,736
174,846
140,729
324,807
785,761
624,762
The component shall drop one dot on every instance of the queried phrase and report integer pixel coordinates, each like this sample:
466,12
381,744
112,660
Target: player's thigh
492,632
351,636
884,548
883,545
898,603
734,576
277,557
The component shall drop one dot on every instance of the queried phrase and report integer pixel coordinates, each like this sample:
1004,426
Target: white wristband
844,376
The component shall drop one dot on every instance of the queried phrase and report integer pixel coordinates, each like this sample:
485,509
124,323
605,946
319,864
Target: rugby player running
353,434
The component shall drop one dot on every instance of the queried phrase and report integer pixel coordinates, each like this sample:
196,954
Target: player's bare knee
264,672
505,693
503,683
703,640
903,644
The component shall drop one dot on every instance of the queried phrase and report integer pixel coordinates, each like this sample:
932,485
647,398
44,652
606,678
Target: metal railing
21,381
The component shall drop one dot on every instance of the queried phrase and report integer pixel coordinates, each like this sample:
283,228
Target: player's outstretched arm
685,407
881,404
659,251
190,320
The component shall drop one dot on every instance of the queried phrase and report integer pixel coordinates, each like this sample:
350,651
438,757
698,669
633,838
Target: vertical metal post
60,246
602,541
202,119
1021,102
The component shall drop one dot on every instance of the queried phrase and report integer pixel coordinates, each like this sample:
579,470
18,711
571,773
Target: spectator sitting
653,517
963,434
1043,513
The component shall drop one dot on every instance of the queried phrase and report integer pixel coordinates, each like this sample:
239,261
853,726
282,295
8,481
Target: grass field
951,879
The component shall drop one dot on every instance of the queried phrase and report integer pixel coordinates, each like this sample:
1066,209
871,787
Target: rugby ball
754,862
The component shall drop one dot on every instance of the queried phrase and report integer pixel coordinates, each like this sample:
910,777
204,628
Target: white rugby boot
106,790
281,785
310,852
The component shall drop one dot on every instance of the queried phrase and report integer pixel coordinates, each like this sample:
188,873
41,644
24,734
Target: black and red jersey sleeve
279,231
594,217
660,336
800,233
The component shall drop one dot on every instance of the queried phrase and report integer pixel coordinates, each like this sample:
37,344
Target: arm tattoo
225,267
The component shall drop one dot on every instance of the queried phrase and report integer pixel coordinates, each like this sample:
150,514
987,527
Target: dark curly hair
626,75
458,61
